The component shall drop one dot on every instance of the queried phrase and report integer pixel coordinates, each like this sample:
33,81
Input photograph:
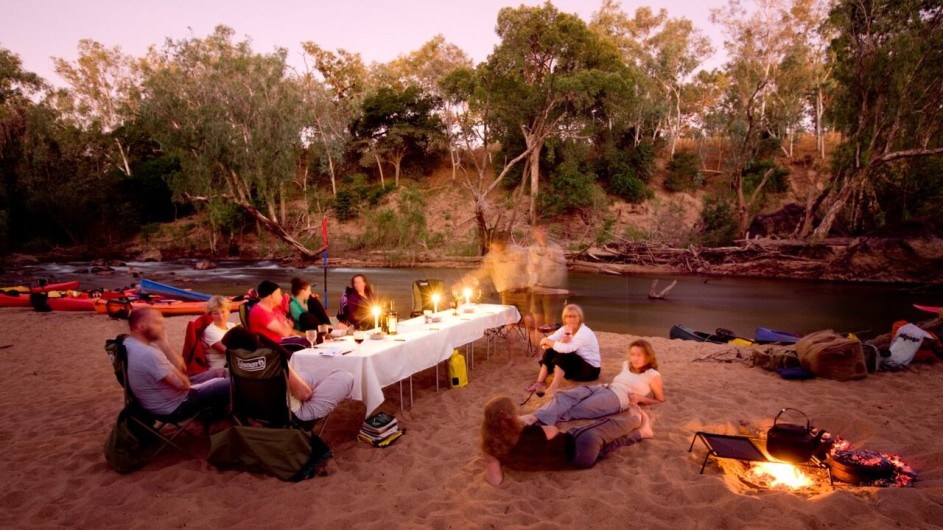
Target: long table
417,346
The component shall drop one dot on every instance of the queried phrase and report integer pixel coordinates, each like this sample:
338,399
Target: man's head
270,293
146,324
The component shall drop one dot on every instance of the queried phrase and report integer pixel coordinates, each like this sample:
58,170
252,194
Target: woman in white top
218,307
639,383
571,352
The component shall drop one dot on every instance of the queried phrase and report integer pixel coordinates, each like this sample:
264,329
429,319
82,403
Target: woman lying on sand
639,383
507,441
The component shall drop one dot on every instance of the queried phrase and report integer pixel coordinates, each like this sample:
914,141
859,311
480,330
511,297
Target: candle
435,302
376,316
467,292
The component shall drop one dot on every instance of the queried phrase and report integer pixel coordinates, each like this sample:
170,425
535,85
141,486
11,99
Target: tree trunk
819,132
125,168
397,162
825,226
330,159
376,156
534,179
484,233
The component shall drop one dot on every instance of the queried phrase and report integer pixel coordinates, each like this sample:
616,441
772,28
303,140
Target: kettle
790,442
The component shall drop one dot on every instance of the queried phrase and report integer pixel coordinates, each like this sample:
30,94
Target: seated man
267,317
157,373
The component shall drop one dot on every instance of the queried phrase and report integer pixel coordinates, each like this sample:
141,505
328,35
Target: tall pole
324,258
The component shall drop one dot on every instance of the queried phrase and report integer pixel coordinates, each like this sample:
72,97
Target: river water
611,303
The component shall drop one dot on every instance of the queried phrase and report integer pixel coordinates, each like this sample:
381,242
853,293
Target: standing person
267,317
219,308
506,266
571,352
546,267
157,373
507,441
639,383
304,307
356,301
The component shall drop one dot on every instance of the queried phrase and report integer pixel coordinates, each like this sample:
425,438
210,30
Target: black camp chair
422,295
163,428
258,387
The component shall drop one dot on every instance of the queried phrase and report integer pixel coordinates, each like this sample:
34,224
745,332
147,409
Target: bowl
338,333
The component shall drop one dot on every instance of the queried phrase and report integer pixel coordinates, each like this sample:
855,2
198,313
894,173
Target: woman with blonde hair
508,442
219,309
571,352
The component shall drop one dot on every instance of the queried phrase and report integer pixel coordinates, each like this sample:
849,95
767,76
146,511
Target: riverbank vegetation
608,129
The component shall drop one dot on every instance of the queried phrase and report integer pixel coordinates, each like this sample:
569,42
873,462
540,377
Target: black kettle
790,442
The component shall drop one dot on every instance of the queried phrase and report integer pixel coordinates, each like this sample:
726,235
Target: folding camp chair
153,424
244,309
422,295
259,388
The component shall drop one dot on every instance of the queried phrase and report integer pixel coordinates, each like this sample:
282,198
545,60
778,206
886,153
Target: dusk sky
378,29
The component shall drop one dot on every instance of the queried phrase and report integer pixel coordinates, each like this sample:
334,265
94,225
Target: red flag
324,231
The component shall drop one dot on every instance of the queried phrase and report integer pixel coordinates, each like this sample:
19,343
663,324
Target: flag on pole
324,256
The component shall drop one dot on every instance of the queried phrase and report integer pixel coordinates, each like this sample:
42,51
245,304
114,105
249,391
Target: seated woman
571,352
507,441
305,308
267,318
355,303
314,395
219,308
639,383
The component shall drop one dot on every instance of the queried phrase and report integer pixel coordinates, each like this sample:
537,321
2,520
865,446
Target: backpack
111,349
194,351
289,454
126,446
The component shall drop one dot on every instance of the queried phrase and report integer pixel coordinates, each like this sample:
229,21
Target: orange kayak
61,286
165,307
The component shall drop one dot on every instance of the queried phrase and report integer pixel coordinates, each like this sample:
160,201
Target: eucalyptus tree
425,68
102,95
396,124
548,71
235,120
333,100
888,56
667,50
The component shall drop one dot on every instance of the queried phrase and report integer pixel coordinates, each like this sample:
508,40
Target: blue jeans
210,390
580,403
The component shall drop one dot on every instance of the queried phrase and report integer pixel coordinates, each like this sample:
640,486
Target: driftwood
664,292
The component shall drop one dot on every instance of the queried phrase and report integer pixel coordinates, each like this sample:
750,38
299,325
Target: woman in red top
267,317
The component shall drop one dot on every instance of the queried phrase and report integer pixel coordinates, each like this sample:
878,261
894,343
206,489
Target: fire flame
786,475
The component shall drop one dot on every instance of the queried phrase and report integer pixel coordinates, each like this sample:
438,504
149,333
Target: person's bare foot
645,431
531,388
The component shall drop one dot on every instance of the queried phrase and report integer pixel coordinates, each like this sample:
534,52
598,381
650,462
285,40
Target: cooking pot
791,442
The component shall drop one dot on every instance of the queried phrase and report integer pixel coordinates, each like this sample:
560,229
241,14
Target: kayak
169,291
63,300
61,286
685,333
766,335
165,307
929,309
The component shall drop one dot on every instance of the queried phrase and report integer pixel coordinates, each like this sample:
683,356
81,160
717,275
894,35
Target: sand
60,399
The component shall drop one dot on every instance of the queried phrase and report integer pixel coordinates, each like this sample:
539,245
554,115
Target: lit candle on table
435,302
467,293
376,316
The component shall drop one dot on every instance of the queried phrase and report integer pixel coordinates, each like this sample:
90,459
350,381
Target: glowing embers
864,467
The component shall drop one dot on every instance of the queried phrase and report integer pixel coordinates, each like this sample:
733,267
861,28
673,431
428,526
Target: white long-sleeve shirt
583,343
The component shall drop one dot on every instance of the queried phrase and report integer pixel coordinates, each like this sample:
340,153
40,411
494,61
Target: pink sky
378,29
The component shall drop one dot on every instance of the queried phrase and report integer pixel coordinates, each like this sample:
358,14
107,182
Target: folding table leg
436,377
402,406
410,391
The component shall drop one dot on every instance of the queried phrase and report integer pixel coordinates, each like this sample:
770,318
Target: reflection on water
611,303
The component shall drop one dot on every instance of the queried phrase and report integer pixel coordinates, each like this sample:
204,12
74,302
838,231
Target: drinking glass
312,336
359,337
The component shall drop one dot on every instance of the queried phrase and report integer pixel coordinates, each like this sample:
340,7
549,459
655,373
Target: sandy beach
60,399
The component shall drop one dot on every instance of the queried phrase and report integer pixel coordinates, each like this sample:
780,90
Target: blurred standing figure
546,266
506,265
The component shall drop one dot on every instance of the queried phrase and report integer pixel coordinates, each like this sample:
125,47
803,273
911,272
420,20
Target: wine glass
359,337
312,336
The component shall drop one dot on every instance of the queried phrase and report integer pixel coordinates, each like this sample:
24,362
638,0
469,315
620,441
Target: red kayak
61,286
63,300
165,307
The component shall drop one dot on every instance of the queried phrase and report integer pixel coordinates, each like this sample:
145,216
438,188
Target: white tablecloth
417,346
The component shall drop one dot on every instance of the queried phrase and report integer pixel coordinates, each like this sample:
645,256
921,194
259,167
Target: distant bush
569,191
753,175
684,172
628,186
642,159
345,205
718,222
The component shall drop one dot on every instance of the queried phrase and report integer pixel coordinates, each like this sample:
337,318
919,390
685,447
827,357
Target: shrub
684,172
629,187
642,159
345,205
718,222
568,191
753,175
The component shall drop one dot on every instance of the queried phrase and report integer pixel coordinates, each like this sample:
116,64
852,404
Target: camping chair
259,389
194,352
152,424
422,295
244,309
